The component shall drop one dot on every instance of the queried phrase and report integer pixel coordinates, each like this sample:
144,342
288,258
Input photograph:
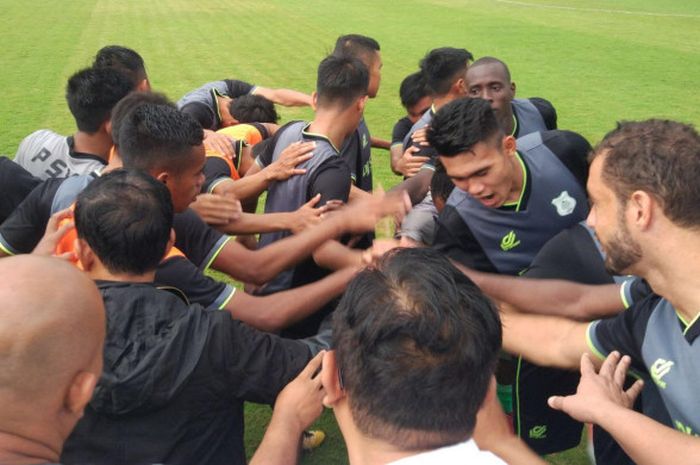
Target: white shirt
462,453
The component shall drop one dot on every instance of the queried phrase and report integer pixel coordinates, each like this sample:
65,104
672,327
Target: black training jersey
401,130
174,382
357,152
15,184
506,239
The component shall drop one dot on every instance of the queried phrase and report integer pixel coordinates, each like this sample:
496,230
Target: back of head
92,93
356,46
52,326
154,136
416,343
660,157
125,217
442,66
131,101
122,59
412,89
341,80
461,124
484,61
251,108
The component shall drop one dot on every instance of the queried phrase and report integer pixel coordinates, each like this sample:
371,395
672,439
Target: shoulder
547,110
572,149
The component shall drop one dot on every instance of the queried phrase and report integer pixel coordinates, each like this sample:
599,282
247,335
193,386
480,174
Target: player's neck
21,449
673,270
97,143
363,450
100,273
442,100
332,125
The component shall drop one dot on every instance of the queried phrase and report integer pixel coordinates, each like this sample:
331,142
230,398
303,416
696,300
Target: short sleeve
572,150
332,180
197,240
546,109
236,88
180,273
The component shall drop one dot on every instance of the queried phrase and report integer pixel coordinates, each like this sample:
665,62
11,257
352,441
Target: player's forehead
595,184
487,73
465,164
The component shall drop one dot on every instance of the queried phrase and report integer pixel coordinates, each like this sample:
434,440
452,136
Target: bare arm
544,340
261,265
550,296
286,97
277,311
296,408
333,256
417,186
380,143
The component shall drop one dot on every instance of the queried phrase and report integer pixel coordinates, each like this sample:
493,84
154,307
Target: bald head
52,328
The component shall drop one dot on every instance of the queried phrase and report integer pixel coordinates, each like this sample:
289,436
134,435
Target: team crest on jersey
564,203
659,369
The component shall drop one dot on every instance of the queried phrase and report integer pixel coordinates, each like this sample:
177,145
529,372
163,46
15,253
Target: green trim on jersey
304,132
228,299
217,252
6,250
518,203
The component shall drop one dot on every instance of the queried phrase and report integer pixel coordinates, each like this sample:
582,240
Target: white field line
599,10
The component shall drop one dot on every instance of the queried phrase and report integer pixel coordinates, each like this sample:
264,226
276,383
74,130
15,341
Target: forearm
280,444
646,441
264,264
247,187
417,186
396,152
550,296
286,97
277,311
252,223
333,256
380,143
544,340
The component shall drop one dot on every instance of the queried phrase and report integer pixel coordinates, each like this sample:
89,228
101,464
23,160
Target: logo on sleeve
364,140
538,432
509,242
564,203
659,369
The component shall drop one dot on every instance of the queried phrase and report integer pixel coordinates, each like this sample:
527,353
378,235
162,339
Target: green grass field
598,61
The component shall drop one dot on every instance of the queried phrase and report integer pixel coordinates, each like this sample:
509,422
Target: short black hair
122,59
158,136
413,89
356,46
441,185
441,66
92,93
492,61
125,216
131,101
461,124
251,108
341,80
416,344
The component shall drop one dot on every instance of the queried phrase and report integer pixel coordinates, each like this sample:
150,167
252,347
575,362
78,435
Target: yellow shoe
311,439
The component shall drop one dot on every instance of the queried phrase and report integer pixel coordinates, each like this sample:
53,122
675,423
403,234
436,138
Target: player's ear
163,177
144,85
108,126
79,392
509,145
171,242
361,102
460,86
314,100
640,209
512,88
331,380
85,255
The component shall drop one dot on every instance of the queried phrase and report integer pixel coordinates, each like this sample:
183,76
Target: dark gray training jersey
326,173
46,155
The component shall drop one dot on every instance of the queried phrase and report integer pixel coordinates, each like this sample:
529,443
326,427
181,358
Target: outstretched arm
601,399
544,340
277,311
286,97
